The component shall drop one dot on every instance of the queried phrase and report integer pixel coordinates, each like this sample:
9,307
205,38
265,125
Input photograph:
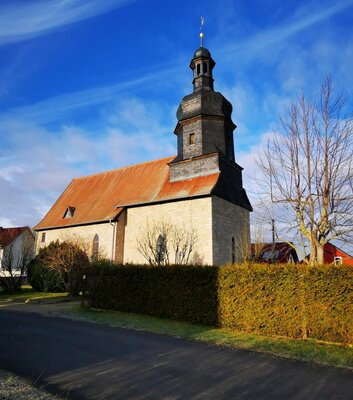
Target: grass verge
28,293
311,350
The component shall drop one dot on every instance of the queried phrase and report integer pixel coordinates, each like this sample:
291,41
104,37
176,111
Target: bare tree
69,261
162,243
15,259
308,169
257,241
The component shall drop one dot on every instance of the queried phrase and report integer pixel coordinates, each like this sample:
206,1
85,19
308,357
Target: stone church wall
190,215
229,220
83,233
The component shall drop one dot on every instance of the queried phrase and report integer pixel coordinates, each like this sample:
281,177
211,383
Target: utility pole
273,242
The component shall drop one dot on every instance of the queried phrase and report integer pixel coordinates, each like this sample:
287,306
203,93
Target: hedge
293,301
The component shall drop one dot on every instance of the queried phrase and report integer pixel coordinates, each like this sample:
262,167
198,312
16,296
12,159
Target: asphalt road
88,361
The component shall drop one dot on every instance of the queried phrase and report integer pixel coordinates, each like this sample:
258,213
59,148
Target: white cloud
31,19
37,163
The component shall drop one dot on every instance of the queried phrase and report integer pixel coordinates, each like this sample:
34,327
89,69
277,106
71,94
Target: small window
204,68
43,237
198,69
233,250
192,138
95,247
161,249
69,213
338,260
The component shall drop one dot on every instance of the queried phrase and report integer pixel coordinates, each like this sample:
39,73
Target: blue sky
91,85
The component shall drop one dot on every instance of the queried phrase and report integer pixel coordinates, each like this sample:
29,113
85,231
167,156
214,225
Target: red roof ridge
14,227
126,167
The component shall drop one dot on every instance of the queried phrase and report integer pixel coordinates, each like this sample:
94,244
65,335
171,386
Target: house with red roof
16,250
279,252
198,190
335,255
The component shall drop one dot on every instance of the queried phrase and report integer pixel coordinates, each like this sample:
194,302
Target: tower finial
202,21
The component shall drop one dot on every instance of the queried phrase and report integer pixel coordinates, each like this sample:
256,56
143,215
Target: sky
92,85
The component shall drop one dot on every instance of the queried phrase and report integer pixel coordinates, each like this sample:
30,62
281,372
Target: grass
311,350
28,293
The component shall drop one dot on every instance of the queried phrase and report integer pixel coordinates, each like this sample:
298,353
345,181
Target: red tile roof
102,196
8,235
282,252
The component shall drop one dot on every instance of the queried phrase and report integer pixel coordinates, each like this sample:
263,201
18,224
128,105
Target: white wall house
16,250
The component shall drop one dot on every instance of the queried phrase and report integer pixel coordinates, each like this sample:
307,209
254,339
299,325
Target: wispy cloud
304,18
60,107
24,21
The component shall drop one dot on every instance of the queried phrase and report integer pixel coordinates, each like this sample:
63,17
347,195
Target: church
199,190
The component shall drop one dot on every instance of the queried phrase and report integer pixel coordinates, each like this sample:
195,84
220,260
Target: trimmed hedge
176,292
294,301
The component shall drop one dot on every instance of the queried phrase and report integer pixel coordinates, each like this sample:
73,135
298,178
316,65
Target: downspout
113,224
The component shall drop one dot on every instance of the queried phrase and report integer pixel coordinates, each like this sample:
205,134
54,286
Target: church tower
205,135
205,124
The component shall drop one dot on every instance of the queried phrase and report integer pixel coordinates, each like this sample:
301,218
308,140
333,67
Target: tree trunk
313,254
320,254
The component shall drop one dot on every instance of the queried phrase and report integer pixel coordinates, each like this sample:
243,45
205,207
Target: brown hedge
293,301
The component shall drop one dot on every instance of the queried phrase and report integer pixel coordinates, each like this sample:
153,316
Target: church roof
101,197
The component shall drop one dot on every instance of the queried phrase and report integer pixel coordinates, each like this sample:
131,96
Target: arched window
198,69
161,249
95,247
233,250
204,68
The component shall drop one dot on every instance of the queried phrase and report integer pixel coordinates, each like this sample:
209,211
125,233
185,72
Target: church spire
202,21
202,65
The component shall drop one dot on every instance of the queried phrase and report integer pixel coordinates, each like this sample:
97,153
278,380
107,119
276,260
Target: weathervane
202,21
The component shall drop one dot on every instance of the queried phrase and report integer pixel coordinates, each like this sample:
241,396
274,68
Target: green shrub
294,301
59,267
41,278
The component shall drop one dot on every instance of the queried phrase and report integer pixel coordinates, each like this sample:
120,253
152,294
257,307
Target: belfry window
69,213
198,69
233,250
204,68
43,237
192,138
95,247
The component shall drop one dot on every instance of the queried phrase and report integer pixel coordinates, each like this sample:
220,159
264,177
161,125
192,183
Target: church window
192,138
233,250
95,247
69,213
198,69
161,249
205,68
43,237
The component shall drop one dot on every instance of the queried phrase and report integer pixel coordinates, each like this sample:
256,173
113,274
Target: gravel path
13,387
